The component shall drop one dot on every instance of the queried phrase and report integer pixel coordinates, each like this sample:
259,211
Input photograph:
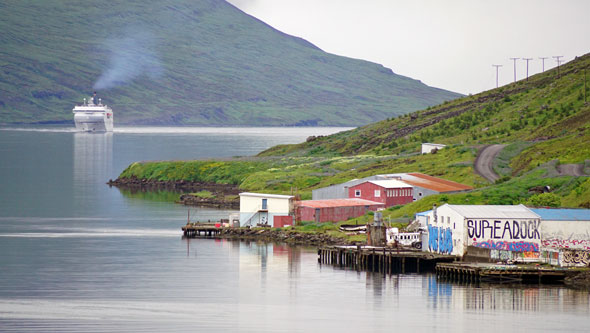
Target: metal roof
390,183
433,183
560,214
424,213
264,195
494,211
434,144
338,203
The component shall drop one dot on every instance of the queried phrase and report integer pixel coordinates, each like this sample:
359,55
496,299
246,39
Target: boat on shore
93,116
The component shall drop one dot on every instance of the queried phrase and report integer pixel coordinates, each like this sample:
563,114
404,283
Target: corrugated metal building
424,185
335,210
390,192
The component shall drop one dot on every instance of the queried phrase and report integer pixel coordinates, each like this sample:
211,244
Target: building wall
339,191
565,234
451,233
250,207
446,232
390,197
334,214
274,205
421,192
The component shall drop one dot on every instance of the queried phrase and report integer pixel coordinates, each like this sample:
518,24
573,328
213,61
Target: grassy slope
219,66
544,122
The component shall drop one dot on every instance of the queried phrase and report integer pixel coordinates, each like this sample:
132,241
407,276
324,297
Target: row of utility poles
557,58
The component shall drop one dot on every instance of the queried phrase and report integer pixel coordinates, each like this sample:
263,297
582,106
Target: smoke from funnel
129,57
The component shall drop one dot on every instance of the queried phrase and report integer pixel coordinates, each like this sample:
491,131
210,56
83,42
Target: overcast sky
450,44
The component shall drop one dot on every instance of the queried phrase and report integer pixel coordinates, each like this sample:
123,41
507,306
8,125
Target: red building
390,192
335,210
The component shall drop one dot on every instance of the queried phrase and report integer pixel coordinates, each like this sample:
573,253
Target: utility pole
527,66
497,66
584,85
558,61
543,59
514,59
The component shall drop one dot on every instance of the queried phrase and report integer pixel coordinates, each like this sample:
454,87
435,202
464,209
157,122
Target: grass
203,194
543,123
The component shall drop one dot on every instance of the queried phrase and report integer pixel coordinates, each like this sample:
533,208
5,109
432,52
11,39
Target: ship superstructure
93,116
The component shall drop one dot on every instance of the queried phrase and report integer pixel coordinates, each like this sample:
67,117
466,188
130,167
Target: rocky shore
282,236
578,279
221,195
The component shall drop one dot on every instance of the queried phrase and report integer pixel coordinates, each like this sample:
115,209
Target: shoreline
274,235
221,195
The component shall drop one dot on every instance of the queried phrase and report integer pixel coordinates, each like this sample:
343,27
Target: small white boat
93,116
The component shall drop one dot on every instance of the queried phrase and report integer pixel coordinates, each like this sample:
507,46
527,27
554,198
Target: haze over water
76,255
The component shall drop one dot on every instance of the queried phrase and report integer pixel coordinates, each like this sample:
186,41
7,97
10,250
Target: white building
427,148
260,208
511,228
565,228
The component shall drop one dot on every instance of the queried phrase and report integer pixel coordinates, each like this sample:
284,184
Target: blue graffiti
433,238
440,239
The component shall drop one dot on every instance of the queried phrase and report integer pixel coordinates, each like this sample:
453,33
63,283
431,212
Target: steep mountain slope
544,124
548,110
185,62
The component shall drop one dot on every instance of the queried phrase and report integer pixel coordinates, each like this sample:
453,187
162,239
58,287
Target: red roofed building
390,192
335,210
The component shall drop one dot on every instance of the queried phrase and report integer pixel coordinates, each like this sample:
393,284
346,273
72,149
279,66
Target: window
264,203
377,193
357,193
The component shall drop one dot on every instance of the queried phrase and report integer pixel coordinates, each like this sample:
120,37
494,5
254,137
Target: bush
544,200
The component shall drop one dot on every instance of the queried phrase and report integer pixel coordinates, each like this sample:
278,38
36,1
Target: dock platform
192,230
381,259
499,273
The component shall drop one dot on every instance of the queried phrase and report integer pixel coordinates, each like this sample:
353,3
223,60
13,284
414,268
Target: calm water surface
76,255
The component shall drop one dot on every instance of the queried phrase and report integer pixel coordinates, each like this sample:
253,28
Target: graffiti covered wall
440,239
577,258
505,235
566,234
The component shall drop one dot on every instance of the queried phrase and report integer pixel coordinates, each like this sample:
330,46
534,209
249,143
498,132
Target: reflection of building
260,208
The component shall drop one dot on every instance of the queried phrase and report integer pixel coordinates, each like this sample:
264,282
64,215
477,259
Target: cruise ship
93,116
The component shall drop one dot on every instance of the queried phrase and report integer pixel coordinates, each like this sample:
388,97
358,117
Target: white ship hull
93,118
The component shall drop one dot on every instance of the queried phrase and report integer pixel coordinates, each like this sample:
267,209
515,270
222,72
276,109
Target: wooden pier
192,230
498,273
381,259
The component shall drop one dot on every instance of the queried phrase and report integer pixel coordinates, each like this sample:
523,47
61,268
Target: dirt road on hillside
485,159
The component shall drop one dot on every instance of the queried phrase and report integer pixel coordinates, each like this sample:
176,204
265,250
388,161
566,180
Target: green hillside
544,123
184,62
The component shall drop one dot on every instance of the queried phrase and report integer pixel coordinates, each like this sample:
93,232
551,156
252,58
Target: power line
543,59
497,66
514,59
558,62
527,66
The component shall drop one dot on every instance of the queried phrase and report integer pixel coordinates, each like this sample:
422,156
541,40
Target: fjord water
76,255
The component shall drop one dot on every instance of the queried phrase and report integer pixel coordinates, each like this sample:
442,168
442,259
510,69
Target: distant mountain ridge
185,63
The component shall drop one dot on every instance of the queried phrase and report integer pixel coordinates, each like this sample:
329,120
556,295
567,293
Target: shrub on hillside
544,200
